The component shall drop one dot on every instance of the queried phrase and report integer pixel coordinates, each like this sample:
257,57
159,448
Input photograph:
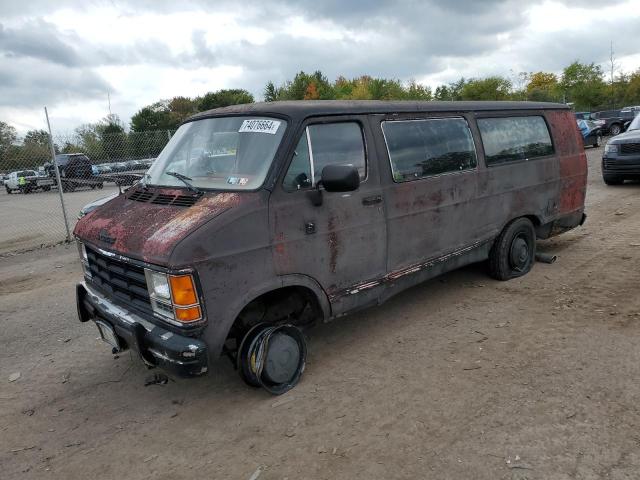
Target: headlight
158,285
173,296
611,148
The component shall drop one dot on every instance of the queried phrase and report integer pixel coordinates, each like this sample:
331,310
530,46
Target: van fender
217,332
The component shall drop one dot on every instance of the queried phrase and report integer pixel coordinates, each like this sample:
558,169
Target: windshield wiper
186,180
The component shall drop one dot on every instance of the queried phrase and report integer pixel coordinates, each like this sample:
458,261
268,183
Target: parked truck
75,172
27,181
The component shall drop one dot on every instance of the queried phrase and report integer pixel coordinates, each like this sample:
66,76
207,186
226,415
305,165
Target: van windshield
227,153
635,124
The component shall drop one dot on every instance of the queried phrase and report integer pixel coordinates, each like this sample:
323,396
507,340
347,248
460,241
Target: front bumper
158,347
621,165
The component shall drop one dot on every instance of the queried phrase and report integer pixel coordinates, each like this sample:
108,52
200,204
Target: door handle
373,200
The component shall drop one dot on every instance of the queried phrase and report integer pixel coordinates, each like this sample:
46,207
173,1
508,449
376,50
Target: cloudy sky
68,54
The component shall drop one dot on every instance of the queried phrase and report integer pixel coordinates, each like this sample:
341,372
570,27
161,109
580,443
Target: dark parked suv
258,220
621,157
613,122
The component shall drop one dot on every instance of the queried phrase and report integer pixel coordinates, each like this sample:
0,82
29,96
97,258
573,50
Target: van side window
330,144
421,148
510,139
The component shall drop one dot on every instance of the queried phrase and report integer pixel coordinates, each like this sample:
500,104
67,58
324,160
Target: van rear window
421,148
511,139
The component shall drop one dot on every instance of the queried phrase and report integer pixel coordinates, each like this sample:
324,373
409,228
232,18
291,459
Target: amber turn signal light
183,290
189,314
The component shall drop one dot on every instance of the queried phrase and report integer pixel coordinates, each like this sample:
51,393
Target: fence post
55,166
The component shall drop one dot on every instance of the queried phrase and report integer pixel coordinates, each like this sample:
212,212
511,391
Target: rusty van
258,220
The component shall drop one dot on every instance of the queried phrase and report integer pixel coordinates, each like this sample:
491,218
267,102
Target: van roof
300,109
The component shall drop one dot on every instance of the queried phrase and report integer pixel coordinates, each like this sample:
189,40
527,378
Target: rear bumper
561,224
158,347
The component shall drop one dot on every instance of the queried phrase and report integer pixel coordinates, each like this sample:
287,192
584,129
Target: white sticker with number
260,126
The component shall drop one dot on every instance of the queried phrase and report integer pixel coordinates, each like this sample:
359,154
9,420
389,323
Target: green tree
89,142
36,137
35,146
223,98
632,91
181,108
416,91
542,87
454,89
343,88
156,116
113,137
270,92
490,88
8,137
442,93
583,85
303,86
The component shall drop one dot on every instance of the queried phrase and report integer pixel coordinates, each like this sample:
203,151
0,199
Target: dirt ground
462,377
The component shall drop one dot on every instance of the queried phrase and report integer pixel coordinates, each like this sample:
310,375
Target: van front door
341,244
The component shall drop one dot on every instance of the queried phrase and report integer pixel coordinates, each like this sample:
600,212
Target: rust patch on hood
149,232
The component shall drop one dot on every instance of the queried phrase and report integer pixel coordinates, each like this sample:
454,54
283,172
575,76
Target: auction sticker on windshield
260,126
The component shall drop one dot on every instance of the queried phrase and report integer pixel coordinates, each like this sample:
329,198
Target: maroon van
258,220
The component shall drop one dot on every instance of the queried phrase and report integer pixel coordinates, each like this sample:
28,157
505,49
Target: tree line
584,85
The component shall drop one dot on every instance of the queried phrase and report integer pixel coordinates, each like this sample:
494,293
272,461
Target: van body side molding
398,274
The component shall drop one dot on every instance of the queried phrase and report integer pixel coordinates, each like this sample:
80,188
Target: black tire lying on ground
272,357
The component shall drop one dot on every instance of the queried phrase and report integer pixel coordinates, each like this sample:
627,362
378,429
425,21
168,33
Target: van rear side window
511,139
422,148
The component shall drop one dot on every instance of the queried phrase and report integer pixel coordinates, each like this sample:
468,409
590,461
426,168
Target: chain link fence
92,165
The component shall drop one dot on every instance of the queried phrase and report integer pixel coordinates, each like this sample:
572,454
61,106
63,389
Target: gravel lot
28,221
462,377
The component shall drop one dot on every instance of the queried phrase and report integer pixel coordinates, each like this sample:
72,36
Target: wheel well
535,220
295,305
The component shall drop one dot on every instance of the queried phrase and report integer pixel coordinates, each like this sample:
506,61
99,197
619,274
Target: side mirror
340,178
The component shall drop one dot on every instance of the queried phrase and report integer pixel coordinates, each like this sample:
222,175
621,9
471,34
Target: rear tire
615,129
8,190
514,251
612,180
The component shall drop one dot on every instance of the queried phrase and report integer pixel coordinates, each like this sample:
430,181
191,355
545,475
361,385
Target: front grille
164,199
629,148
121,280
618,165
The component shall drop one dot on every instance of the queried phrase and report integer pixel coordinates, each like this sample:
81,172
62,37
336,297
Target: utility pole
109,101
612,66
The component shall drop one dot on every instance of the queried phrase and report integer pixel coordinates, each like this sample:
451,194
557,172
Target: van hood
148,231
